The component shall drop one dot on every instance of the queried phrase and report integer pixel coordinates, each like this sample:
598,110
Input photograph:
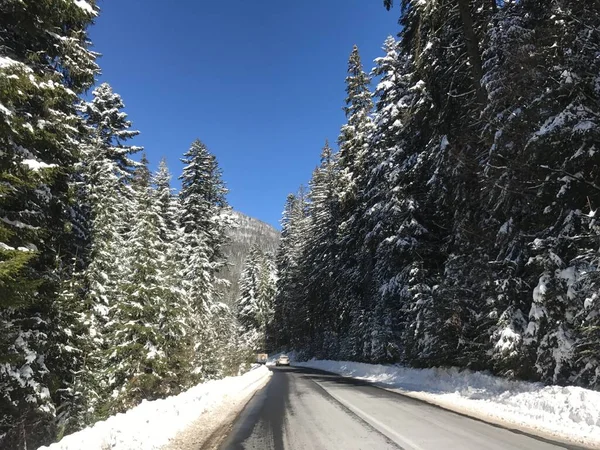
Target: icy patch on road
151,425
569,413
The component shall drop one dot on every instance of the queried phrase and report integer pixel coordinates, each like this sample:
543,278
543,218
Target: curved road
309,409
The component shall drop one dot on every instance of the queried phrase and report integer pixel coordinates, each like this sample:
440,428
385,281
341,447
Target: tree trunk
472,44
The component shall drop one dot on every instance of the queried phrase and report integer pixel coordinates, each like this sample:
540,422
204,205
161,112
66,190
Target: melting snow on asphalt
151,425
568,413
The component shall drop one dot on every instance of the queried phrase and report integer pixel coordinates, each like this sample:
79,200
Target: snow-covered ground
151,425
568,413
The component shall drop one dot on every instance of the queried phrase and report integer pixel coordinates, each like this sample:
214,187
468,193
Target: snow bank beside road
568,413
151,425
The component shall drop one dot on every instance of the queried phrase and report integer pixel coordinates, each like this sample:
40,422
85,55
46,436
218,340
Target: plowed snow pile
569,413
152,424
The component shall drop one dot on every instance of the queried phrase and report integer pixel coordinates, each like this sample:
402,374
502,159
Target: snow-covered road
304,408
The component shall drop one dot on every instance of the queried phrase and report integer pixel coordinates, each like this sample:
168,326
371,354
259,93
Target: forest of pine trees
258,285
456,224
108,278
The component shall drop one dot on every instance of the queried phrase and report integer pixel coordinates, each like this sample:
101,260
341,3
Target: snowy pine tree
106,173
175,322
320,254
541,163
353,143
465,215
289,306
39,137
391,229
203,205
257,291
139,346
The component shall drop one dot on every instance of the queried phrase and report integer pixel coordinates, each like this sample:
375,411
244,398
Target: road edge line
490,420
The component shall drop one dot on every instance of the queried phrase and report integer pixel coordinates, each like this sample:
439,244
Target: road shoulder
215,424
475,415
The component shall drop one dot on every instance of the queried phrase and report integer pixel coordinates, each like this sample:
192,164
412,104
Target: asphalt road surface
309,409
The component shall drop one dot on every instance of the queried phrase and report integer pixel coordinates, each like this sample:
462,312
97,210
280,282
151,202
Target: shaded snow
17,223
444,143
506,227
584,126
569,413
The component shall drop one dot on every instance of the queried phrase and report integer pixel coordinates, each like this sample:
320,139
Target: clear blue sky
261,83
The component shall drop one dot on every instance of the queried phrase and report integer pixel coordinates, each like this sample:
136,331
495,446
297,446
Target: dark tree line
456,225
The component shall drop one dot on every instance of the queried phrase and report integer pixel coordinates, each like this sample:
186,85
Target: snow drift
151,425
568,413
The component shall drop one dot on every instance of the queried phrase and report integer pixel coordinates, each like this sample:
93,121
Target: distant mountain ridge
246,233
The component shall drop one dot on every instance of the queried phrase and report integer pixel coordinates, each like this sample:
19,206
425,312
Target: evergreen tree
351,298
175,323
465,214
168,204
139,342
320,255
203,203
248,301
109,200
267,288
391,229
289,308
539,178
257,290
111,127
353,140
443,43
44,63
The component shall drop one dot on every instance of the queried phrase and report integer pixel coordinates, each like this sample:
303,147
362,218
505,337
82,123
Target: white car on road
283,360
